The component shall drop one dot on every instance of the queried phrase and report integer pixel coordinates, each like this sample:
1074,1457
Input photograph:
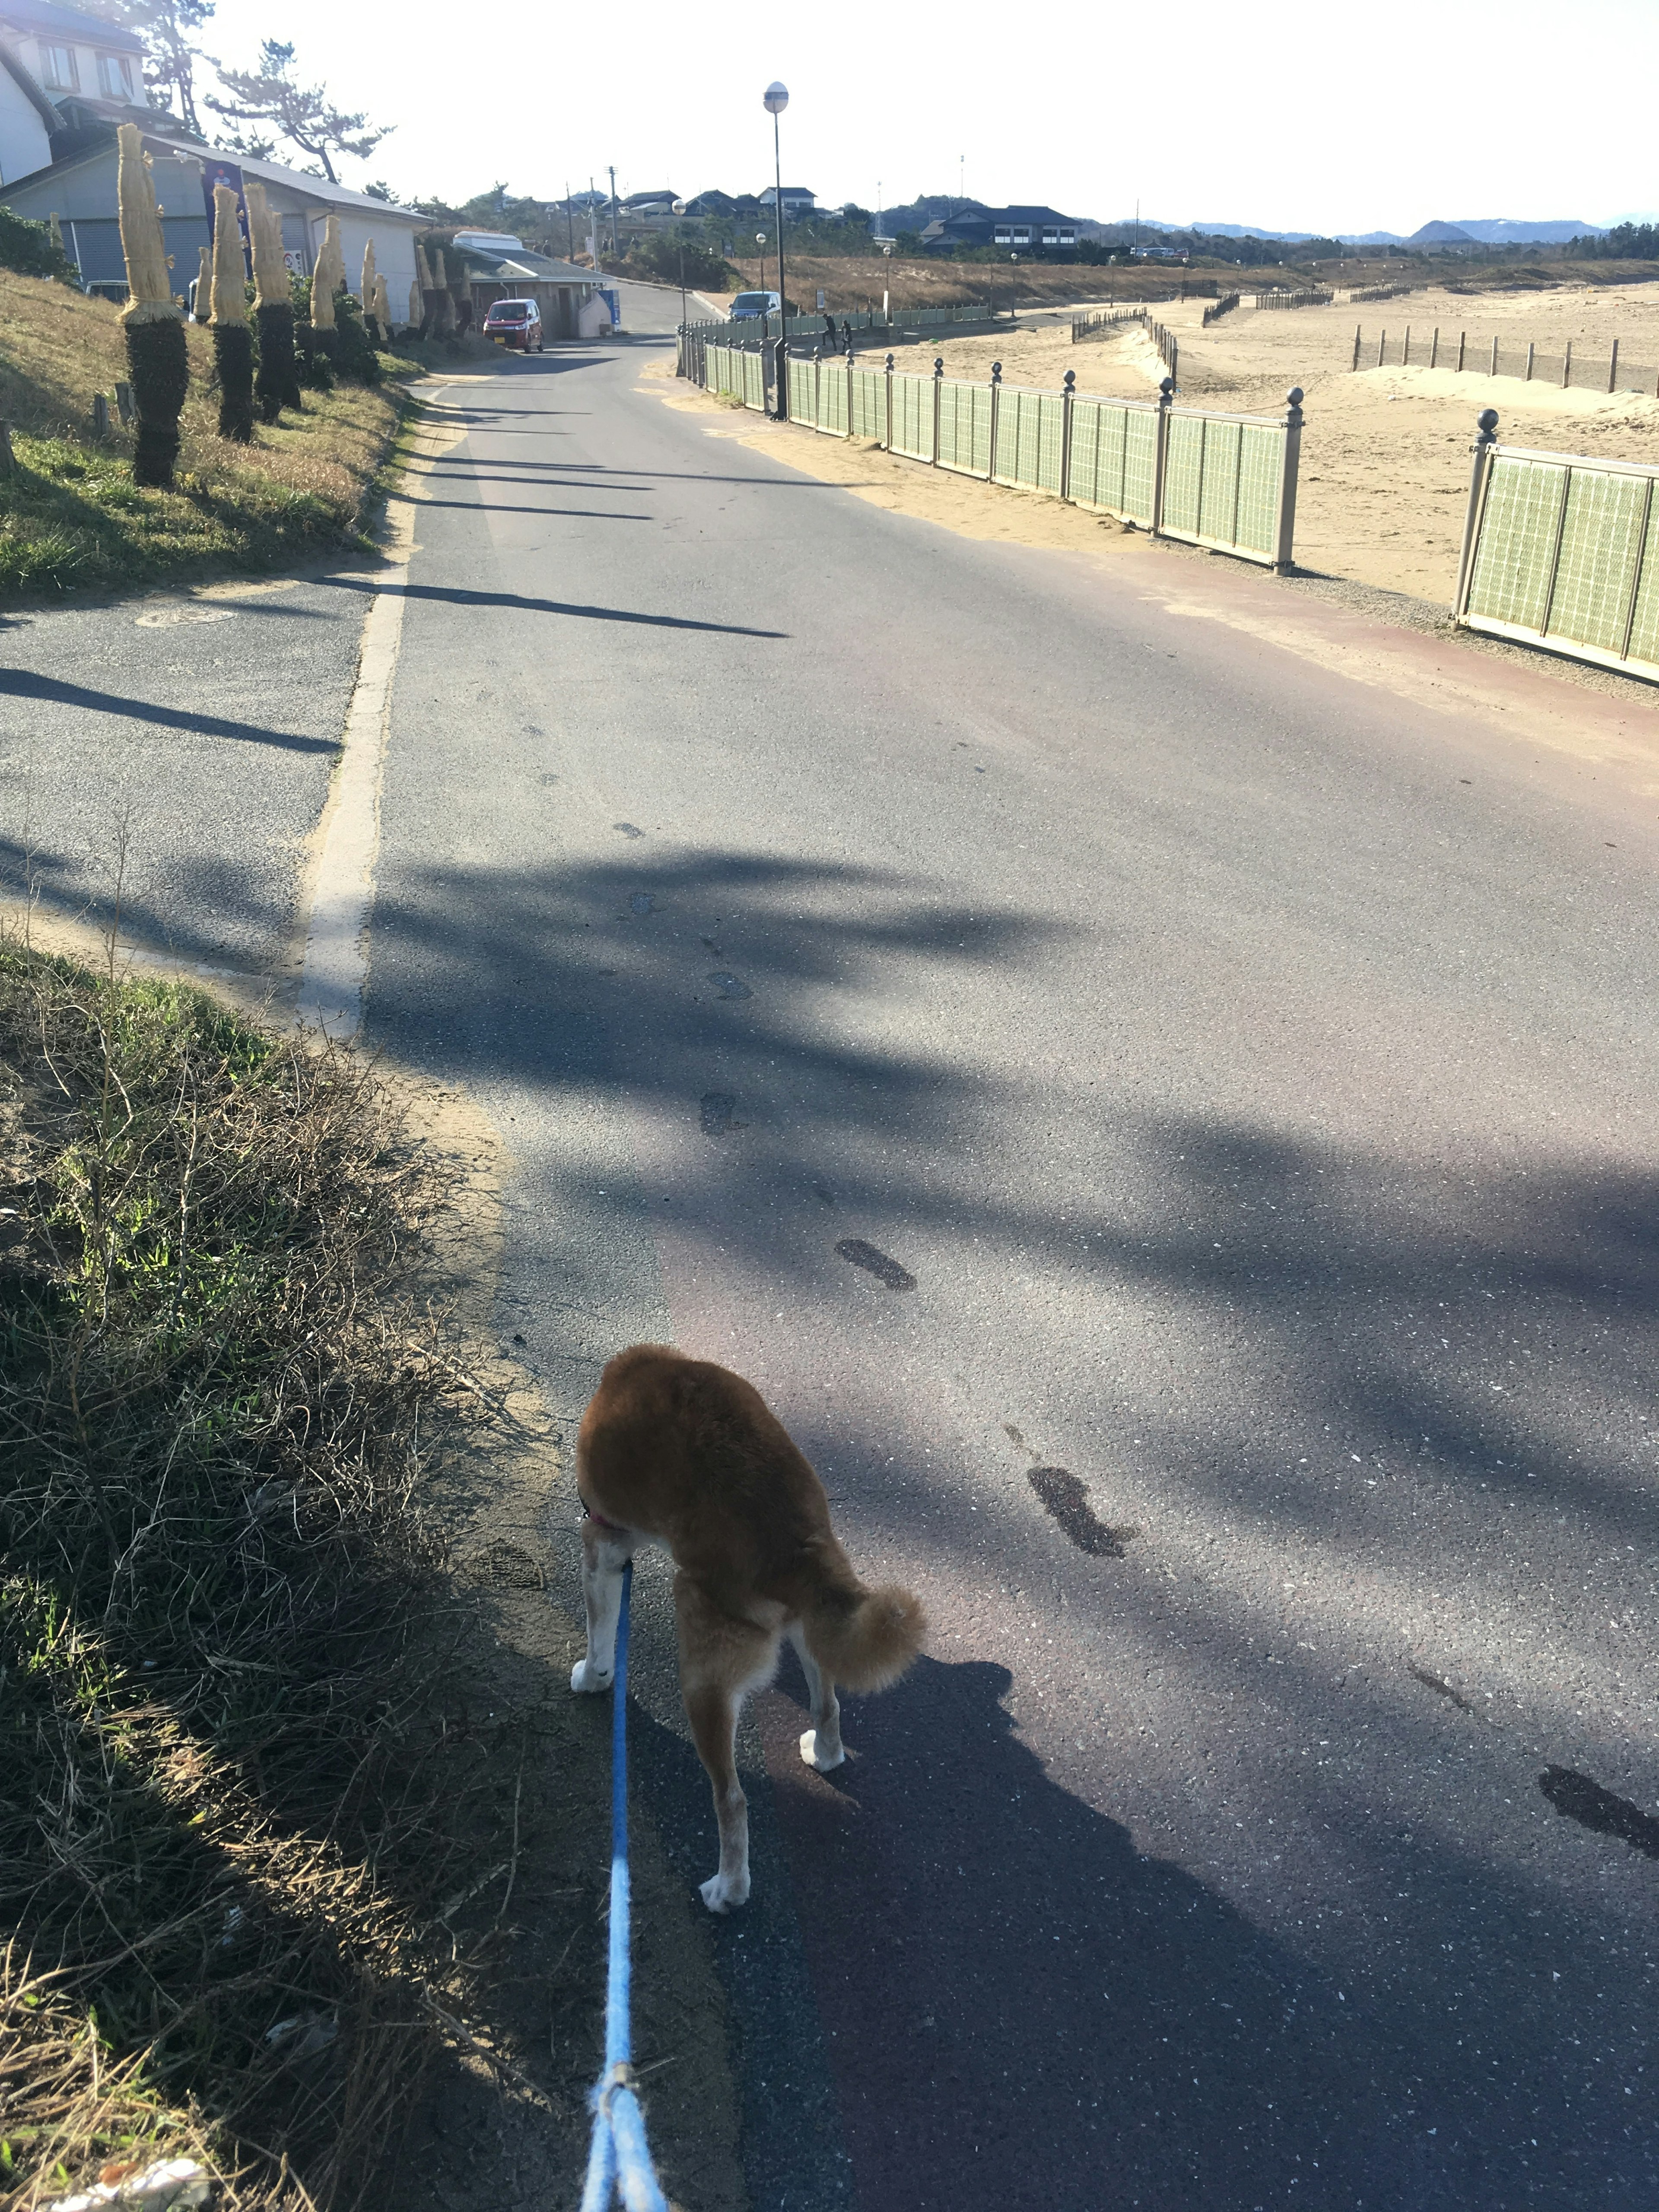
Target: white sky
1336,118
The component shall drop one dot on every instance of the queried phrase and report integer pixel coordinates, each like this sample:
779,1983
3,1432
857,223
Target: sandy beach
1385,452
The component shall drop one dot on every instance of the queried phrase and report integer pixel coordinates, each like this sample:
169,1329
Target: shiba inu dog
682,1453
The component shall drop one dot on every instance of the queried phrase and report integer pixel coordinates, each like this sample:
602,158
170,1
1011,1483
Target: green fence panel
1601,546
869,403
803,391
913,416
1260,473
1018,436
1217,485
832,399
752,388
1519,529
1183,476
1113,458
965,428
1644,616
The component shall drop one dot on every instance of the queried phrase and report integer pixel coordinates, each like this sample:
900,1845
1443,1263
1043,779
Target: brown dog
688,1454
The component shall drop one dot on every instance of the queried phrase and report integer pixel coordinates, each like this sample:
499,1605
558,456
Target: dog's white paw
724,1891
823,1760
586,1676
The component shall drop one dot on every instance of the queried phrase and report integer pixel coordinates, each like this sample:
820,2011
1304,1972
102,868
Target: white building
80,190
62,75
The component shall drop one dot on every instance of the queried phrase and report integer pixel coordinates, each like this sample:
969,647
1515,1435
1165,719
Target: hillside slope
70,516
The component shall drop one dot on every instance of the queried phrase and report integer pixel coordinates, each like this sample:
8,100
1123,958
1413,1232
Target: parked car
749,305
516,323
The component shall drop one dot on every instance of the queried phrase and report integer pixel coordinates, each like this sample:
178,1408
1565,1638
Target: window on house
58,67
115,77
1022,237
1004,236
1051,238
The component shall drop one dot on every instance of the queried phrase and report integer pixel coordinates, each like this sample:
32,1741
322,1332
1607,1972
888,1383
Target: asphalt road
1170,1127
169,756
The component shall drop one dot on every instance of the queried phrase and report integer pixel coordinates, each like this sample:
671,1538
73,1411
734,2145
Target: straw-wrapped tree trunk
233,341
327,277
416,308
156,353
383,308
204,284
277,384
370,305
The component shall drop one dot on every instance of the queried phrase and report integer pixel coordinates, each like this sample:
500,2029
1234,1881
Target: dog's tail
865,1639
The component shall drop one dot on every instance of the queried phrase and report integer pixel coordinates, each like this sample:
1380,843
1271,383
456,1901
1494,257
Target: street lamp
777,99
677,207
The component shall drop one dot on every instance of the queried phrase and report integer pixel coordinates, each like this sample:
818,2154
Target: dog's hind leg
821,1746
720,1660
606,1553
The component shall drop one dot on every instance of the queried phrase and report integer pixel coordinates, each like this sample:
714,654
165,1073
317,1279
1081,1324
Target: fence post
850,374
1381,345
1486,440
124,406
1069,397
1356,347
1406,357
1286,533
7,459
888,441
1529,357
1462,336
1161,451
996,408
1567,366
1612,368
99,416
938,395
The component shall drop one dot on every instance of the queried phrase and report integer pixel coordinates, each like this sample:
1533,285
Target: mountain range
1474,230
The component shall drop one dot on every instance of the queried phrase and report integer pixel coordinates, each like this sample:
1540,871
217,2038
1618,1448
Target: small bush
27,248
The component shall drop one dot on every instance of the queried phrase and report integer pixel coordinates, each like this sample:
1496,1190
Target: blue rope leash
618,2159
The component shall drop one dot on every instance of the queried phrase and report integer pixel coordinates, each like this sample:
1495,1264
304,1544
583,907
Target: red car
516,323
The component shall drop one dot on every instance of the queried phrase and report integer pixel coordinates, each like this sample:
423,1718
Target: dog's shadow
1007,1985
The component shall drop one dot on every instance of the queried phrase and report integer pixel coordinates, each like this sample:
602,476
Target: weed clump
221,1811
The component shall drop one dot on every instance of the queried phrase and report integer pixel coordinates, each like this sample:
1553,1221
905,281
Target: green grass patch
71,518
223,1808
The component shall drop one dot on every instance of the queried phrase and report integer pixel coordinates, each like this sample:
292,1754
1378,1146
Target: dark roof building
1022,229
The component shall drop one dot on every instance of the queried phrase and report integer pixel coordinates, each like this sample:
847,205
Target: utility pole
616,249
593,220
569,223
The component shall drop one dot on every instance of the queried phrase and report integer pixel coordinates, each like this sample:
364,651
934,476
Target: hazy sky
1336,118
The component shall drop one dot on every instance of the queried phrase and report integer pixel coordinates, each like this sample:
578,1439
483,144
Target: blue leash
619,2159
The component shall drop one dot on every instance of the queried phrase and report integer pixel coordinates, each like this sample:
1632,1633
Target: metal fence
1607,372
1561,551
1223,481
759,329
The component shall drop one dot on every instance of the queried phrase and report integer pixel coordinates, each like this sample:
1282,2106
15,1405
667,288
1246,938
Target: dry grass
224,1812
71,517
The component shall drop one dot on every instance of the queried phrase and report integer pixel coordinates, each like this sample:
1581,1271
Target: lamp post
776,98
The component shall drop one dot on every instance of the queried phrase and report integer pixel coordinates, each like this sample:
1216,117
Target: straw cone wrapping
229,279
204,284
416,305
367,296
327,276
271,284
382,304
149,280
